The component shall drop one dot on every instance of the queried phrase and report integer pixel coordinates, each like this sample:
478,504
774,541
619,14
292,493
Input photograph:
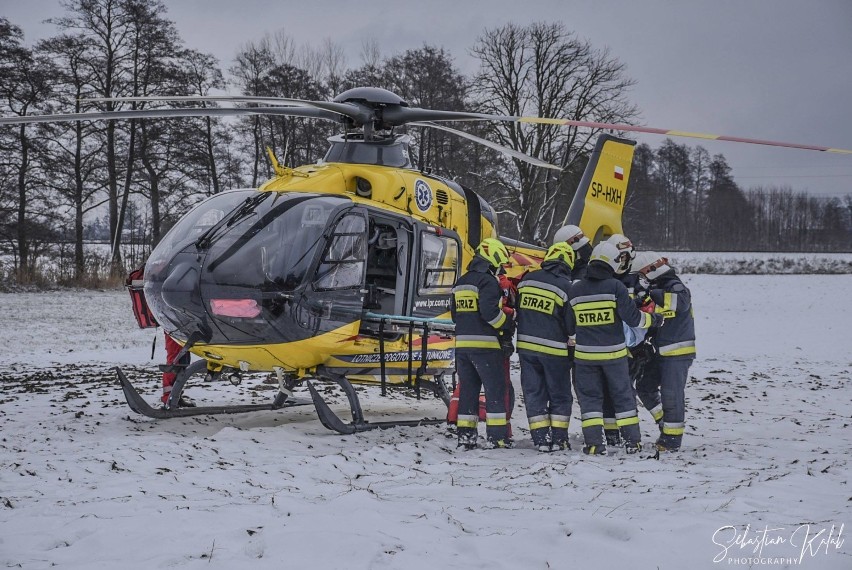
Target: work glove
648,306
506,343
658,320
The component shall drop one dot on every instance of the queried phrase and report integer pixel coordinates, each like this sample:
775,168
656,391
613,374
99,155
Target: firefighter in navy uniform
479,357
574,236
545,323
600,306
508,304
626,254
665,376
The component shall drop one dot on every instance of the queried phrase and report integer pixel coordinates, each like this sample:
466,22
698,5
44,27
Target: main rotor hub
372,96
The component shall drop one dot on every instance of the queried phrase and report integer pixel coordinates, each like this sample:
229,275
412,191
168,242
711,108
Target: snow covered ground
754,263
86,483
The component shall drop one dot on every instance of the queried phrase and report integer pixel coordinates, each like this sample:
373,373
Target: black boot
594,450
467,440
668,443
613,437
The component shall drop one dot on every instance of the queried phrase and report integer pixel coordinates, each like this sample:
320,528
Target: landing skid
138,404
332,421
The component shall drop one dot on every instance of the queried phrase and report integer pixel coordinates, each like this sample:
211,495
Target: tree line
139,176
682,198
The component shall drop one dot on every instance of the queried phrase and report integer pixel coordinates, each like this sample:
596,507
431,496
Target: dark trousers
608,411
172,350
590,379
546,382
664,383
478,369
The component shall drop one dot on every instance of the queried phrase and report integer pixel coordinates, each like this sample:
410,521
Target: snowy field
703,262
86,483
756,263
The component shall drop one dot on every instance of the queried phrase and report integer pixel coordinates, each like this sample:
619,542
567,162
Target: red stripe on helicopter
521,259
432,340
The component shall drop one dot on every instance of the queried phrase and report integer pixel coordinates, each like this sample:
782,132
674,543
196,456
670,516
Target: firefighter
574,236
479,357
509,293
601,305
626,253
172,351
508,304
544,326
664,379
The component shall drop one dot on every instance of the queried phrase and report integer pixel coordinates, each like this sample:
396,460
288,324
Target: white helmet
572,235
626,252
607,253
650,264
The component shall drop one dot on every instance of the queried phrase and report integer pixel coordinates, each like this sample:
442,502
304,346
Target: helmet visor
656,265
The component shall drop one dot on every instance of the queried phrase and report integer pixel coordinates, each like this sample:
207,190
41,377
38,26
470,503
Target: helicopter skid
138,404
332,421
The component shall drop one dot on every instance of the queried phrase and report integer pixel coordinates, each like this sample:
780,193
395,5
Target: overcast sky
768,69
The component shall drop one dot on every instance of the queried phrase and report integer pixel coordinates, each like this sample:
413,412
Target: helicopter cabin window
342,264
439,261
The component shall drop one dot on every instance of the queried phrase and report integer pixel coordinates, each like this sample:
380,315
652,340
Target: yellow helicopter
341,270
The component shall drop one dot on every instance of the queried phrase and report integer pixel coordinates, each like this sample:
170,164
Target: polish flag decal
619,173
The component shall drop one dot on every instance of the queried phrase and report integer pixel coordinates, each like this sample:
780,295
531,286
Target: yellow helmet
561,251
493,251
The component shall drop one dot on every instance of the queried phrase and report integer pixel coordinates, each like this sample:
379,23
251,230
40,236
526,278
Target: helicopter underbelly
292,356
339,352
362,362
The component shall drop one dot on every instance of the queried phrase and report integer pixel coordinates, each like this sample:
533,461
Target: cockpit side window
343,261
439,262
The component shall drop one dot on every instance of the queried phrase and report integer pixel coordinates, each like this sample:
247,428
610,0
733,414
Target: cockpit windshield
271,243
195,224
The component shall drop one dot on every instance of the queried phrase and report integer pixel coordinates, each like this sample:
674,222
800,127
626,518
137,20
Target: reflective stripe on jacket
599,307
674,302
544,315
475,308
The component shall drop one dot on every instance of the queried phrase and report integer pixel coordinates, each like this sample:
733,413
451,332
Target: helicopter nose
181,289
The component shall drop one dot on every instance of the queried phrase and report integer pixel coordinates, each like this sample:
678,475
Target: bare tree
371,54
76,151
545,70
25,85
333,58
250,69
427,77
200,73
108,27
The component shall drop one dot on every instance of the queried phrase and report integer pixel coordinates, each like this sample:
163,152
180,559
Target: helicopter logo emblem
422,195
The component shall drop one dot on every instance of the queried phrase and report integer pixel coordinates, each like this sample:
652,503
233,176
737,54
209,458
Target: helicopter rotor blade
169,113
500,148
406,115
393,115
673,133
355,112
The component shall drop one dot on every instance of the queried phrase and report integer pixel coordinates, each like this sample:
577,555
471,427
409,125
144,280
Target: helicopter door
387,265
436,271
338,285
